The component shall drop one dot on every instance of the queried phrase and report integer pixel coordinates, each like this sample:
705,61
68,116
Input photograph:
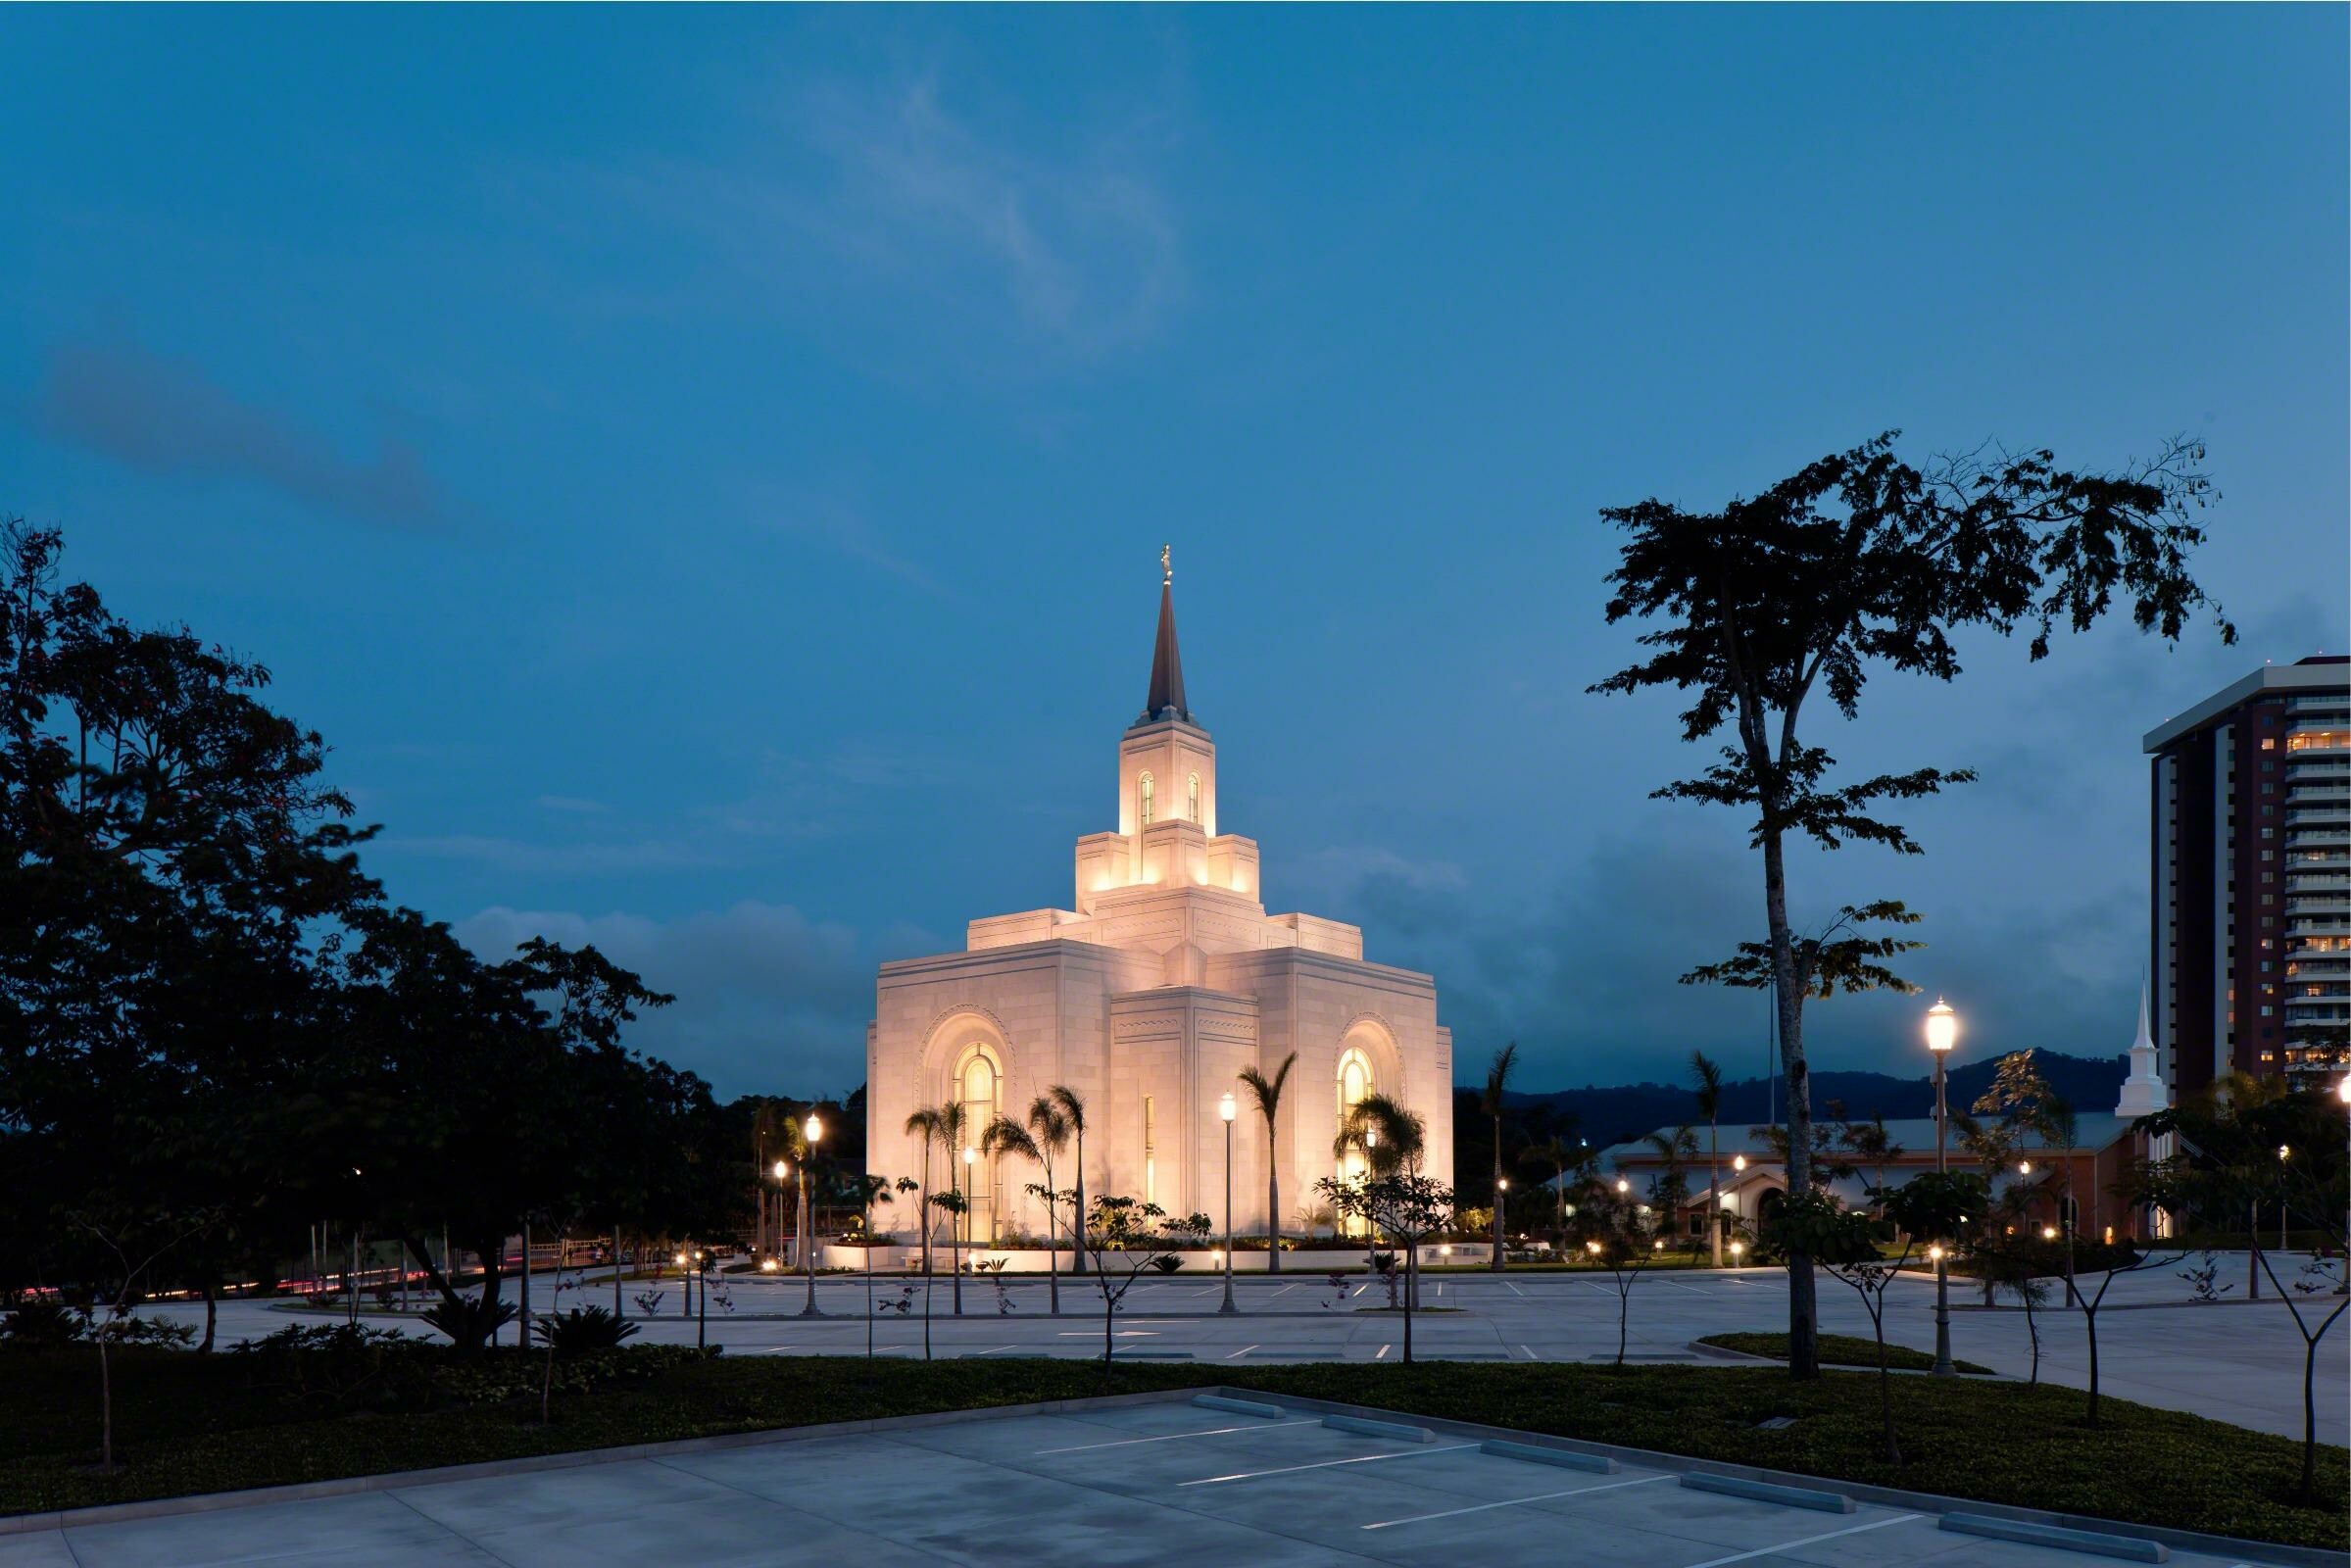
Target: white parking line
1326,1464
1238,1354
1830,1535
1513,1502
1515,1291
991,1351
1531,1355
1384,1349
1172,1437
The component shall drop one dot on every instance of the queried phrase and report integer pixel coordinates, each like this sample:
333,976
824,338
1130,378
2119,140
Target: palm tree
1498,1079
954,1130
925,1124
1390,1139
1005,1136
1268,1091
1709,1082
1669,1189
1073,1112
1049,1125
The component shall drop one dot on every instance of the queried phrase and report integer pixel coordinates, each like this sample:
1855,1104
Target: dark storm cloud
1585,977
166,417
770,1001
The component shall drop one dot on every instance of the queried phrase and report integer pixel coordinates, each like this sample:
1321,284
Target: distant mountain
1615,1115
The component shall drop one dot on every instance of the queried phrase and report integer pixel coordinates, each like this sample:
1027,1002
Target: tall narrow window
1354,1082
1150,1143
1143,801
977,1078
1191,800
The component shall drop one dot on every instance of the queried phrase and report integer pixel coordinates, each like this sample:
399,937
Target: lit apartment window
1142,800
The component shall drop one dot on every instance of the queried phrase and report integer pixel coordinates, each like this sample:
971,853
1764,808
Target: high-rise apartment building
2251,928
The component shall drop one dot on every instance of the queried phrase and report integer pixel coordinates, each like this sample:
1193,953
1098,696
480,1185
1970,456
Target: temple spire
1166,696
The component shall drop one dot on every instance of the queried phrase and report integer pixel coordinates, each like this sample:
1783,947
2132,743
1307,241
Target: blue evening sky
705,469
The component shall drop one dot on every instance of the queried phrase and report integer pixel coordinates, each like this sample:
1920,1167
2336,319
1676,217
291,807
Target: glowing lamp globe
1942,1026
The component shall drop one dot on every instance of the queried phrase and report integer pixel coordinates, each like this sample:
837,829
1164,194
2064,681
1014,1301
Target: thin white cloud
520,856
882,210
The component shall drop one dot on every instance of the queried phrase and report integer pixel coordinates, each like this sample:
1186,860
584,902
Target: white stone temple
1165,978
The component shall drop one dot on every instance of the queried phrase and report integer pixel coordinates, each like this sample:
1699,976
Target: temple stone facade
1163,979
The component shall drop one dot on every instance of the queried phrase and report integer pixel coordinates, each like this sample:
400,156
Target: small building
1754,1177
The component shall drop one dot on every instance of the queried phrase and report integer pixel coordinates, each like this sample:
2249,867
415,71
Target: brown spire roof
1166,698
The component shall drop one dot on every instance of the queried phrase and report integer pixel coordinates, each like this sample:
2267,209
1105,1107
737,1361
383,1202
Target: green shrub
581,1330
469,1320
42,1323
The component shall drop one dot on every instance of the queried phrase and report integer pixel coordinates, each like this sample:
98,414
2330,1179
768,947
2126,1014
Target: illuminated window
978,1079
1142,800
1150,1144
1191,799
1354,1082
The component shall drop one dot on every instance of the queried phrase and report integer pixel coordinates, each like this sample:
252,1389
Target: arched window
1143,801
978,1081
1353,1083
1191,811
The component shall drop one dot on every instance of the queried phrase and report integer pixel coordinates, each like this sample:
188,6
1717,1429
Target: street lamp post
813,1130
1228,1108
2284,1152
1942,1033
2342,1090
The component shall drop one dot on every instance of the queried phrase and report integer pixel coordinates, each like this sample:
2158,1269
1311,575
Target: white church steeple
2143,1090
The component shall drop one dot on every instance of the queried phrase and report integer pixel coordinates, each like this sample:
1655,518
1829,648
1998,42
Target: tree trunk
1803,1307
1624,1314
1273,1206
1714,1188
1077,1218
2310,1418
106,1408
212,1314
1053,1251
1886,1386
2092,1319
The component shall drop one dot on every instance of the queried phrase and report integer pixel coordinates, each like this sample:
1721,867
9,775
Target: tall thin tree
1498,1081
1707,1078
1268,1093
1859,560
1073,1110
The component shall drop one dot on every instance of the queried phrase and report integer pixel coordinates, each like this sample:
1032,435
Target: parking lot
1159,1480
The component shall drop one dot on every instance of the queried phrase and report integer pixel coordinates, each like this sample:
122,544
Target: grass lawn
1839,1350
187,1423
